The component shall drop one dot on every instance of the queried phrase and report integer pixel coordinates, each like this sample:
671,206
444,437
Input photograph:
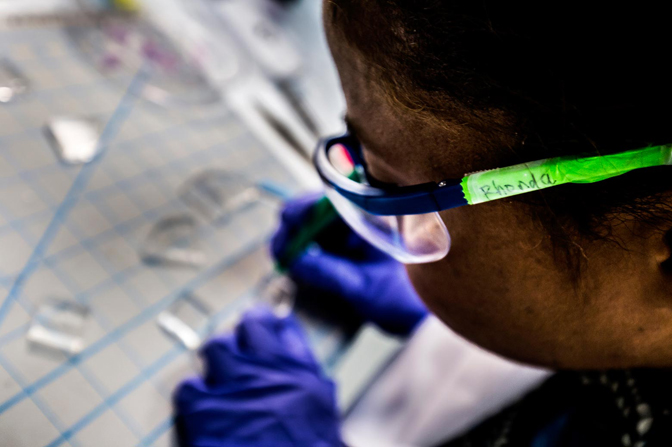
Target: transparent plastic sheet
119,46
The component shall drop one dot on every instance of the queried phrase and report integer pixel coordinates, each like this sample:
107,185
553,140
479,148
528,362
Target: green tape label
505,182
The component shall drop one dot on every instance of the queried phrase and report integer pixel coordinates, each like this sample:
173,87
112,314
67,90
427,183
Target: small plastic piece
279,293
188,321
218,194
12,82
75,139
58,326
174,241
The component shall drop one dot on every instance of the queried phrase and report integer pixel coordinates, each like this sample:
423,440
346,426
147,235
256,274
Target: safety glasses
404,221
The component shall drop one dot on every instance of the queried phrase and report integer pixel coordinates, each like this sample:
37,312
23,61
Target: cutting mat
73,233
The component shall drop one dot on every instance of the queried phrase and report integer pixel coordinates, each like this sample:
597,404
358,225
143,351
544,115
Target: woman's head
577,276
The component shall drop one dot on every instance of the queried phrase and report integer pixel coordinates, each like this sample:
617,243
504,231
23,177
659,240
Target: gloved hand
262,388
343,263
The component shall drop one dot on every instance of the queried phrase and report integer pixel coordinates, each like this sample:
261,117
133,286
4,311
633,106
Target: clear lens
411,239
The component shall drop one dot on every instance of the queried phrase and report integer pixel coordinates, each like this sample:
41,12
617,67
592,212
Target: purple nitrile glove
262,388
344,264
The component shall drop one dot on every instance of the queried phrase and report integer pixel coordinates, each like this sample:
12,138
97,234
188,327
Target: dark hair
564,77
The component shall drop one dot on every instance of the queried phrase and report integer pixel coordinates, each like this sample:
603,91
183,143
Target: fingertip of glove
292,213
262,318
258,315
219,342
306,264
218,348
295,208
257,330
265,316
278,242
187,390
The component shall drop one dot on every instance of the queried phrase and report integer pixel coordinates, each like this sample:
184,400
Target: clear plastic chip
188,321
12,81
75,139
174,241
216,195
58,326
279,293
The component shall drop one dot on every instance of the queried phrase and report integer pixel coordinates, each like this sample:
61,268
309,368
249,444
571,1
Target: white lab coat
439,386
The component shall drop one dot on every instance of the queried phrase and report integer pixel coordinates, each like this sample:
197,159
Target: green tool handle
323,214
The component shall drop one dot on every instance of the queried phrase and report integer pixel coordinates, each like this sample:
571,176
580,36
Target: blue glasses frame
383,199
